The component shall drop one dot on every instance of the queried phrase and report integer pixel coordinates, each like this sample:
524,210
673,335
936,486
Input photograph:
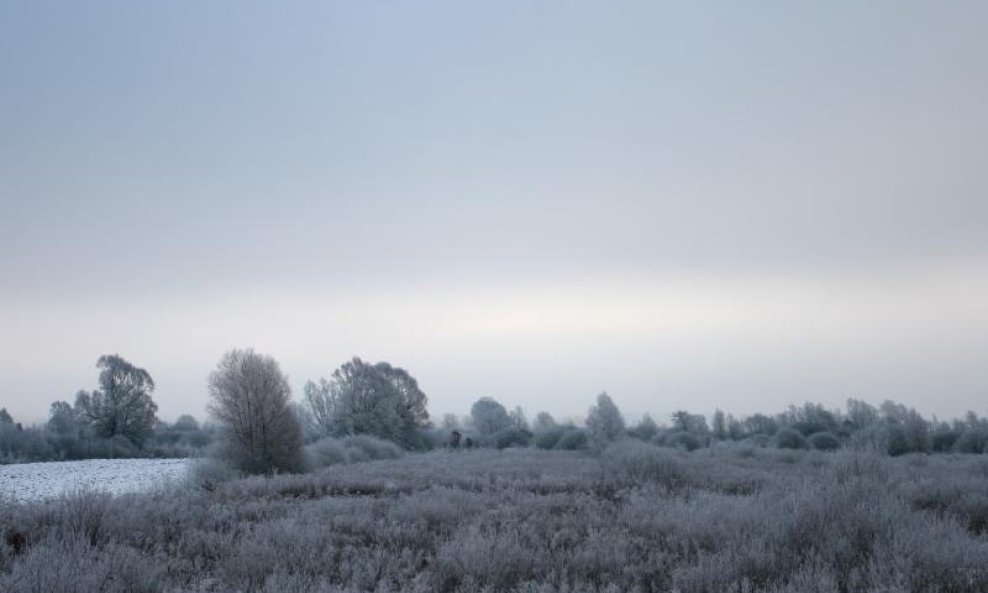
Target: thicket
20,444
890,428
117,419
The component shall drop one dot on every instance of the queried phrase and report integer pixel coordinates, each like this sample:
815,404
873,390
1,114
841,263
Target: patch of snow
37,481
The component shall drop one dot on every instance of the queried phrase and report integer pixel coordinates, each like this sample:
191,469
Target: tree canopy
363,398
122,405
489,416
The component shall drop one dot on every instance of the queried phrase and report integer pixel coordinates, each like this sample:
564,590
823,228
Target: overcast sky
690,205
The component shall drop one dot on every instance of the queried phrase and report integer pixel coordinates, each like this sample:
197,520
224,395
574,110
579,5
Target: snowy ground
36,481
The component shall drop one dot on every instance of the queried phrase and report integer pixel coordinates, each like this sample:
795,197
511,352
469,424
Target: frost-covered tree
544,422
251,400
5,417
604,421
62,418
684,421
720,425
735,429
122,406
376,399
320,402
861,414
186,423
810,418
451,422
646,428
518,419
489,416
760,424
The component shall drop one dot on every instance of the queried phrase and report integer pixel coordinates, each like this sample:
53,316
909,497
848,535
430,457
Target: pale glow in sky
667,342
693,205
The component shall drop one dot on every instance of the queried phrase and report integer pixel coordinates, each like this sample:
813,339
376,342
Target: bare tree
251,401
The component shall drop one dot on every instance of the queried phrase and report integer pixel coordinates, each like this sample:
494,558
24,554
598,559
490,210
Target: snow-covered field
36,481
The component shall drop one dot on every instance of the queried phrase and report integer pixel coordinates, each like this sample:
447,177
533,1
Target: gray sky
690,205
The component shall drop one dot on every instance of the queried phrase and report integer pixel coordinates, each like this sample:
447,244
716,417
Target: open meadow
634,518
24,482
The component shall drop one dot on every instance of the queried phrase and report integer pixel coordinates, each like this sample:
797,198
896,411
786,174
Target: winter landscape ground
37,481
634,518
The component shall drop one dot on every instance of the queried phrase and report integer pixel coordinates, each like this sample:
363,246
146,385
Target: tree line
117,419
256,427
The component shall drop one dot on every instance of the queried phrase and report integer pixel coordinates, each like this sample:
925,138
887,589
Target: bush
943,442
972,440
326,452
371,448
210,472
573,440
683,440
639,462
788,438
548,439
510,437
824,441
760,441
83,517
68,566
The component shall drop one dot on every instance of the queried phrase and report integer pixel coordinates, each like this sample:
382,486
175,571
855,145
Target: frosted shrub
84,515
70,566
326,452
549,438
683,440
639,462
944,441
210,472
355,455
759,441
573,440
824,441
476,556
788,438
972,440
511,437
854,466
372,447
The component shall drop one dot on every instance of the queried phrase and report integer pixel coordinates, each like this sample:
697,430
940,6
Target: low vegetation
357,490
636,517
